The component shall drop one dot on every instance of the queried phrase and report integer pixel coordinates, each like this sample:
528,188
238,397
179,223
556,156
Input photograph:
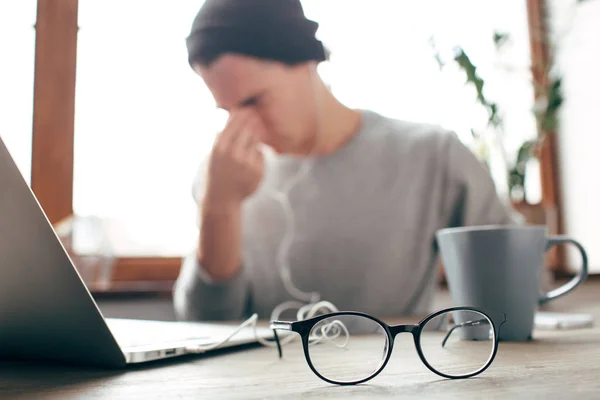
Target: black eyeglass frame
304,327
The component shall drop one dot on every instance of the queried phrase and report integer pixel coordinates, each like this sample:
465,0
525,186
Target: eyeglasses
348,348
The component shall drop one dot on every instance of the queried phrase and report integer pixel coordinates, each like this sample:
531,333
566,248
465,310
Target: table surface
556,364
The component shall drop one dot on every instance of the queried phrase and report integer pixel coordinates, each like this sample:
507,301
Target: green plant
516,171
464,62
546,109
548,106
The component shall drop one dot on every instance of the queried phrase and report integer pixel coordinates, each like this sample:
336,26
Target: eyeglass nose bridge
395,330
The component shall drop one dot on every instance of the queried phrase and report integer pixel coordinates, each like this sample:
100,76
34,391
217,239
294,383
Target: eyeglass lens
347,348
458,343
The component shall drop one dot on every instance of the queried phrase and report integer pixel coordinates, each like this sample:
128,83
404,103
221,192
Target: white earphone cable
307,304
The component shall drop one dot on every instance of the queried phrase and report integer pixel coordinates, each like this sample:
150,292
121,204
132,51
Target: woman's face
284,97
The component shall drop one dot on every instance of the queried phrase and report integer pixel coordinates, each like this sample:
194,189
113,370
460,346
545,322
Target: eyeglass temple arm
274,325
464,324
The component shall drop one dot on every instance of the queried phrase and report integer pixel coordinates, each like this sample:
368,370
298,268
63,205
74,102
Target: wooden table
554,365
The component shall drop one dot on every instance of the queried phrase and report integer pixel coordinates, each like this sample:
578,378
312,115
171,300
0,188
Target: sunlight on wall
578,139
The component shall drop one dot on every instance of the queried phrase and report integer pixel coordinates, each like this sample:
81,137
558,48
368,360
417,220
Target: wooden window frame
541,63
53,134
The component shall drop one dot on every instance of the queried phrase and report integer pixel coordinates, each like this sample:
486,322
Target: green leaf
500,39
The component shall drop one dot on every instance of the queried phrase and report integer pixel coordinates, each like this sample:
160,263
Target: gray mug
498,268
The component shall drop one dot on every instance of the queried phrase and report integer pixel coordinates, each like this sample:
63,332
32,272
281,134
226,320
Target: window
382,59
17,46
144,121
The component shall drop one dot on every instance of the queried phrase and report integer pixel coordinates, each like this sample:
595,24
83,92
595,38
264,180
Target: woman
364,194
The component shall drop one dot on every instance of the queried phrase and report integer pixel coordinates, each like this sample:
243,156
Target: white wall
579,137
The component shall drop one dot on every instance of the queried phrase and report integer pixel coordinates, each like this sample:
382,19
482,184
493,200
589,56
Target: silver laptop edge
46,311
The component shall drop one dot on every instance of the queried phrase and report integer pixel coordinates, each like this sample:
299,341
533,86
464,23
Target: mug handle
573,283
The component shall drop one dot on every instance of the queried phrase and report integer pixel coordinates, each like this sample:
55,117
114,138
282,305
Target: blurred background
108,123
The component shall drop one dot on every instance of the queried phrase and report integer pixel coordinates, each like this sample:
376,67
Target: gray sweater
365,219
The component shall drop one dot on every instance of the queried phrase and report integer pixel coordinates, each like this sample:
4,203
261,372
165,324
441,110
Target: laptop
47,312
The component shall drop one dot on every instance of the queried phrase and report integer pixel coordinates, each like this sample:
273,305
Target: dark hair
267,29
